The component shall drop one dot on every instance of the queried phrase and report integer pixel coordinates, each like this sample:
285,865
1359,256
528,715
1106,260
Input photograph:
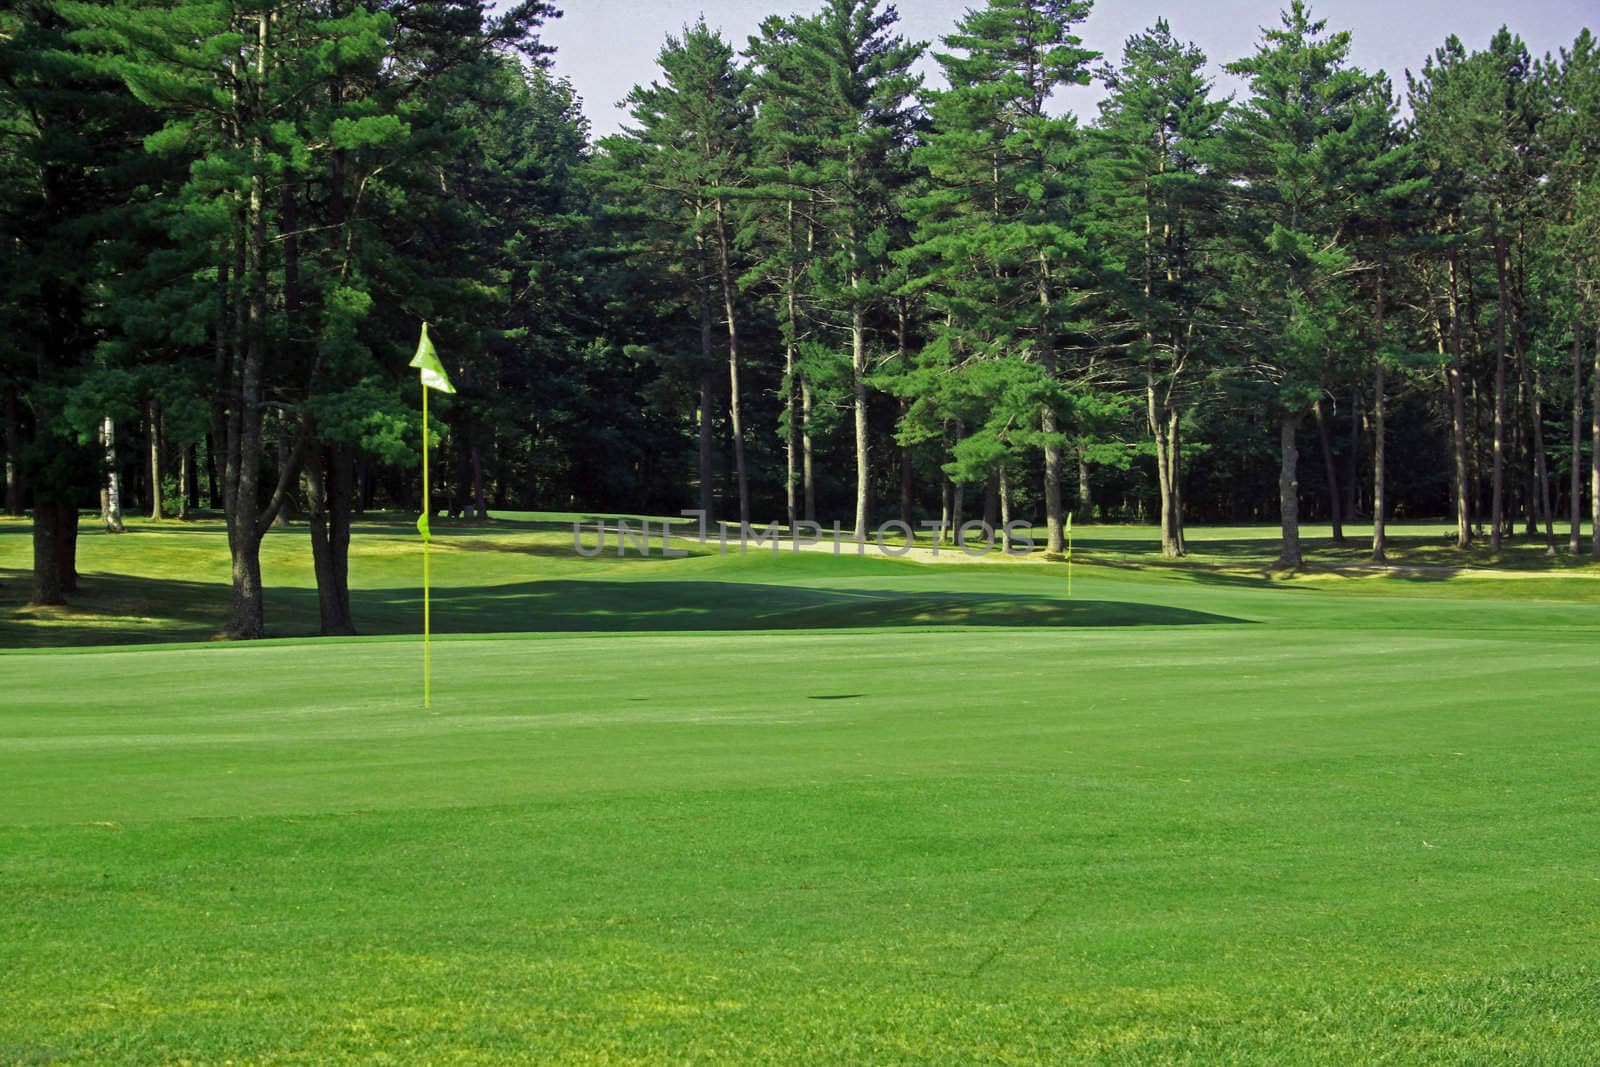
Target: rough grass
802,809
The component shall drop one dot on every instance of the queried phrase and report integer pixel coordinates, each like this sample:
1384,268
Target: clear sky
607,46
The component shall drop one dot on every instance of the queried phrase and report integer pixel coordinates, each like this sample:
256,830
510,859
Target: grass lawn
803,809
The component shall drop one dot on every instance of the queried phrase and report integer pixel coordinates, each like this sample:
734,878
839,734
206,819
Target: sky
607,46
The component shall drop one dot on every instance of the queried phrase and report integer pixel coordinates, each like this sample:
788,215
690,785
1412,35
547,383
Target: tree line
800,283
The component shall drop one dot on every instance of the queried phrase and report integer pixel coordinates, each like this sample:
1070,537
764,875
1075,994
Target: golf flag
433,377
427,361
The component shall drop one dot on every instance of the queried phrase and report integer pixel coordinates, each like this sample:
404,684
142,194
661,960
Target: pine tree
691,149
1442,126
1385,192
1157,202
1572,84
999,238
1289,151
850,74
276,107
71,184
781,90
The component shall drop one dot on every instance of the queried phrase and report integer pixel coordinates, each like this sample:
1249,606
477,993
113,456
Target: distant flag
433,377
1069,554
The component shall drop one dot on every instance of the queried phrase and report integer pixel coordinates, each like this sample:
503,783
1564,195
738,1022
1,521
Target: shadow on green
110,608
593,605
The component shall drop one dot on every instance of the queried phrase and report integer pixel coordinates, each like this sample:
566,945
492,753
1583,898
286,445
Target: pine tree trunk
1458,415
1459,450
725,272
47,550
1352,463
113,489
1289,492
1153,413
1335,505
791,443
1522,447
1005,505
903,354
222,374
247,519
315,475
708,503
213,494
154,413
1471,378
185,471
958,489
1539,508
1541,461
479,501
1380,489
1054,517
807,471
707,498
908,474
67,554
1594,452
958,509
13,451
1085,508
1575,487
1158,430
858,383
329,485
1175,477
1450,352
341,506
1497,505
946,483
1380,486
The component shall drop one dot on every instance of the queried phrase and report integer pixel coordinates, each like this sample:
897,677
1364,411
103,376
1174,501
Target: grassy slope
1190,816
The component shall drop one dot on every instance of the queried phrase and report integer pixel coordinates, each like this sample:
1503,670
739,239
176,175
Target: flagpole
432,376
427,548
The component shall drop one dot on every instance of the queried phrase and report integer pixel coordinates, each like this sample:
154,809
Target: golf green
806,810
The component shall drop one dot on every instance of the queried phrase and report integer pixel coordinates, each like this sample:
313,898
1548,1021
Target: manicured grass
802,810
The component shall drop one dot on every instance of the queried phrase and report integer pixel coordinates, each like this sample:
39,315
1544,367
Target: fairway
811,810
961,534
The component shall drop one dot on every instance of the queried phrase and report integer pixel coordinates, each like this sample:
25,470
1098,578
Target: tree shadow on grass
113,609
594,606
1190,571
119,609
653,553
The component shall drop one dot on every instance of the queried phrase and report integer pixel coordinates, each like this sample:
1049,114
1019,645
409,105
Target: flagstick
427,607
432,376
1069,557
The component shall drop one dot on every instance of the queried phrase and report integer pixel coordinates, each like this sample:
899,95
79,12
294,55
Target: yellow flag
427,361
